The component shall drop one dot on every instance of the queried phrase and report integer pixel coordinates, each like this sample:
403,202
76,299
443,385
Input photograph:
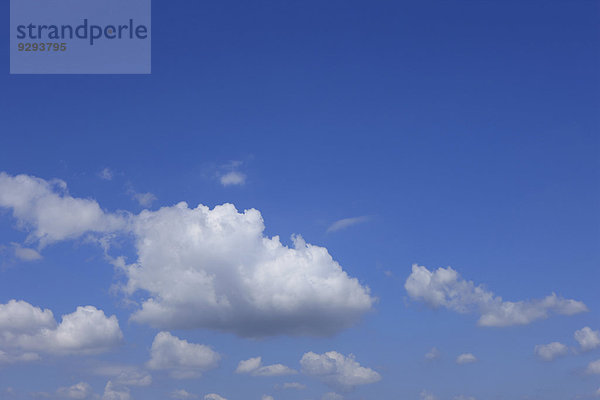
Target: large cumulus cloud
201,267
215,268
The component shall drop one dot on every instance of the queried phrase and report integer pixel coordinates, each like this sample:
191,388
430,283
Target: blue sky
458,135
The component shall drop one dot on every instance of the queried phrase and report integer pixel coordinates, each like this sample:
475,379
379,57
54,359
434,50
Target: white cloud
106,174
425,395
294,385
466,358
274,370
337,370
6,358
346,223
201,267
587,338
433,354
184,359
26,328
233,178
125,375
332,396
20,317
52,213
115,392
182,394
549,352
267,397
247,366
594,367
26,254
79,391
214,269
214,396
463,397
445,288
253,366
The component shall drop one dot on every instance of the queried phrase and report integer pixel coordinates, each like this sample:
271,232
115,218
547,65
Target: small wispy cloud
254,367
466,358
425,395
233,178
106,174
229,174
214,396
144,199
433,354
293,385
82,390
26,254
346,223
182,394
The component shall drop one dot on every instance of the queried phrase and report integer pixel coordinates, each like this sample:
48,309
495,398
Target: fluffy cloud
201,267
214,269
20,317
51,212
594,367
26,328
549,352
182,394
214,396
247,366
125,375
346,223
183,359
79,391
587,338
445,288
253,366
115,392
337,370
466,358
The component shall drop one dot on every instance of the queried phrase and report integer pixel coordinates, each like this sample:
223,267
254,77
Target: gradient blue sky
461,134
